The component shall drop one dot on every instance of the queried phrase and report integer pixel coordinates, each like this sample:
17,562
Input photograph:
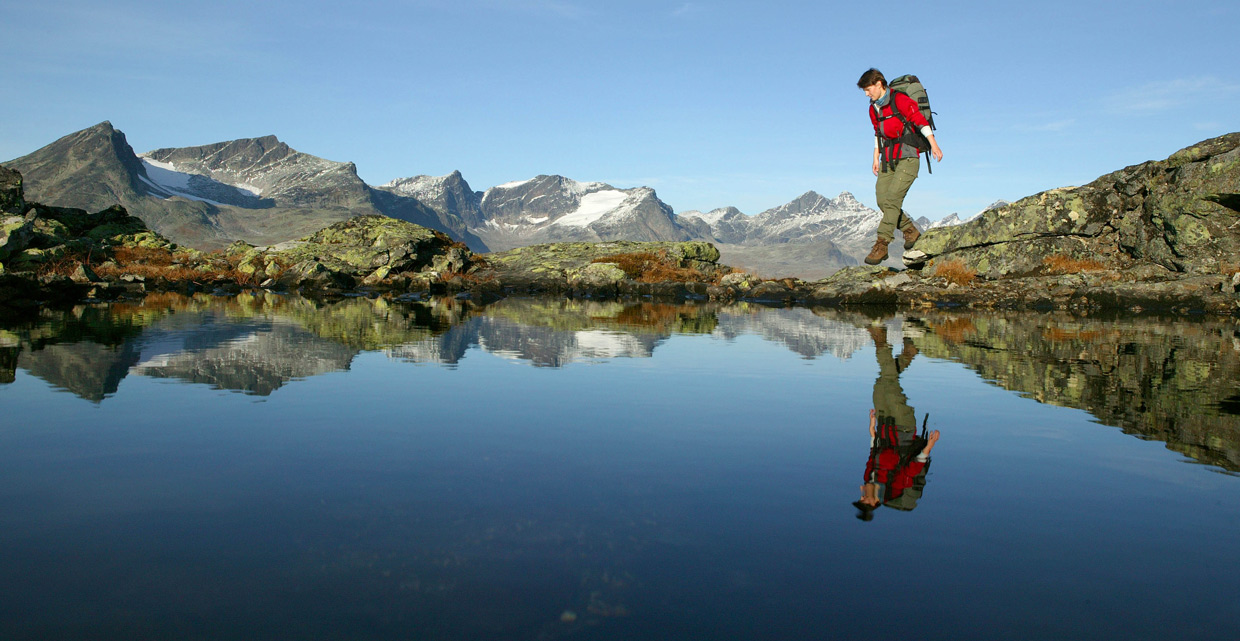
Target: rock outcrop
1177,216
371,250
666,269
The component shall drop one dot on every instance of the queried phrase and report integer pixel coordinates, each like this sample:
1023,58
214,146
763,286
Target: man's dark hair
870,77
865,512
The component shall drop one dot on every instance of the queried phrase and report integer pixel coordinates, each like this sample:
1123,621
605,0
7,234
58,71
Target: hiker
895,472
901,132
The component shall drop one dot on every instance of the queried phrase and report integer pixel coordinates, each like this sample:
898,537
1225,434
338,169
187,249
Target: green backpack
910,85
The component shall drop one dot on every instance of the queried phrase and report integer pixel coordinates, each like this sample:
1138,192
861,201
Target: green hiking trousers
893,184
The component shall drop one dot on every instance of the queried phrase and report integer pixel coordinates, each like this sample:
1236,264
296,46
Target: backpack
912,87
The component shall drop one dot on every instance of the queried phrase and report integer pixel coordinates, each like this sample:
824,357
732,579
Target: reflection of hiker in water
899,458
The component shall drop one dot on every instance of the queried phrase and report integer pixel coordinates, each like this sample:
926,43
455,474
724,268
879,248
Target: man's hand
934,148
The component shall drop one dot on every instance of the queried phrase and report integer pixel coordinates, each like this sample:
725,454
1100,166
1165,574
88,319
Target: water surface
268,467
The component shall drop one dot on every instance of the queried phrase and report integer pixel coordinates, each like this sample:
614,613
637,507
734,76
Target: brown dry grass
65,265
645,267
1061,264
955,271
158,263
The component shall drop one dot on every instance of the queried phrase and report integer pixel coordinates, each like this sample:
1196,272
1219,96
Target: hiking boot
878,253
911,234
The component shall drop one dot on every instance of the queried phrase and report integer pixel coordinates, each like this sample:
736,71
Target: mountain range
262,191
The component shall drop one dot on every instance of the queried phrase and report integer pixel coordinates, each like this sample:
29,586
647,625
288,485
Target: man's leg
890,190
889,399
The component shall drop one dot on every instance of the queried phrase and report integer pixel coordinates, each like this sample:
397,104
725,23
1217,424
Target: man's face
869,494
874,91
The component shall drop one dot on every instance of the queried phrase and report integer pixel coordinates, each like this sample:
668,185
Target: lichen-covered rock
357,247
596,276
550,267
1179,213
15,235
772,291
740,281
12,200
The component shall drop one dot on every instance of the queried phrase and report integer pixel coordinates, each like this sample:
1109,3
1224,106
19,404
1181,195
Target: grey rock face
448,195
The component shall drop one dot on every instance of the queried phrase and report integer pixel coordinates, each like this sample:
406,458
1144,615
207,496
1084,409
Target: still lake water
269,468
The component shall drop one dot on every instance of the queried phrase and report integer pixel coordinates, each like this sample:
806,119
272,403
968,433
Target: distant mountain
259,189
448,195
547,209
809,237
954,219
947,221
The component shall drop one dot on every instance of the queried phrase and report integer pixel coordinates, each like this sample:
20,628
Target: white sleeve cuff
922,458
927,132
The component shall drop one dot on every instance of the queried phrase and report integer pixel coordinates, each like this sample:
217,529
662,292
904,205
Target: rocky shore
1163,235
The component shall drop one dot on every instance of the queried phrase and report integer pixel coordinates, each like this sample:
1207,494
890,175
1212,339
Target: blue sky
712,104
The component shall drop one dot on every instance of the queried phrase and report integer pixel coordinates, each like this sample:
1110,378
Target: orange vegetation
646,267
955,271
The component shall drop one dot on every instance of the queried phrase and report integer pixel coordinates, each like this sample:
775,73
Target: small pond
269,467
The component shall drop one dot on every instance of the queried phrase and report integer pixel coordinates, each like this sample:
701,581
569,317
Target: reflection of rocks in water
801,330
256,357
1170,380
10,347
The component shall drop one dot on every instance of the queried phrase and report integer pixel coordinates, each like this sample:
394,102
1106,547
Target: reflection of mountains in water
801,330
255,356
256,344
542,346
1172,380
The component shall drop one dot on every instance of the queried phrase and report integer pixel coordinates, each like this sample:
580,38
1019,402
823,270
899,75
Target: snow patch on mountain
514,184
167,180
593,207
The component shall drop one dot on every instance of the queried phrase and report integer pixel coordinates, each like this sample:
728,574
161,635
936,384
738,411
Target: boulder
1178,213
12,200
15,235
596,279
357,247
